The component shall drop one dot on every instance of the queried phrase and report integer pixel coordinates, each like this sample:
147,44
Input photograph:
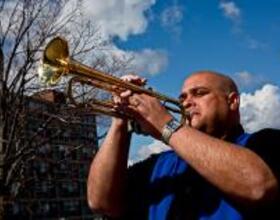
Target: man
213,171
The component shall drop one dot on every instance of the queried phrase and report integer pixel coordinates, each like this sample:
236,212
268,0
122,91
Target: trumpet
56,63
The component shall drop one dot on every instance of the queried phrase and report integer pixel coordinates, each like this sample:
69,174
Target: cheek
209,109
215,110
206,107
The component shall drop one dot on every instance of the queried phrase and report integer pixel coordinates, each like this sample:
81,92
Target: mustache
189,114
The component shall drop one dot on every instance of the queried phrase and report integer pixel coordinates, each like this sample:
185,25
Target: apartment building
62,144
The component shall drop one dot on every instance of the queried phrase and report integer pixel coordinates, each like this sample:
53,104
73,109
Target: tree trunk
1,136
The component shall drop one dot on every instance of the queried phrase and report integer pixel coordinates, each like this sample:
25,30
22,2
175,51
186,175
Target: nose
188,102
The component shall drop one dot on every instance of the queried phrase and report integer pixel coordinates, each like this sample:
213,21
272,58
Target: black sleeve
266,143
138,179
139,173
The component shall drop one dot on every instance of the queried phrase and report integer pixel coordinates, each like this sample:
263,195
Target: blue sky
203,36
172,38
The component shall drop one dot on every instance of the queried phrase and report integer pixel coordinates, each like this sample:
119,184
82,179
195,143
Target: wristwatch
169,128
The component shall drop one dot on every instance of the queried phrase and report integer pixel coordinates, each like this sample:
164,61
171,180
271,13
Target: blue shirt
170,165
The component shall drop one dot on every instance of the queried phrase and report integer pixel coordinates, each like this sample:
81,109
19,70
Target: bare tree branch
26,26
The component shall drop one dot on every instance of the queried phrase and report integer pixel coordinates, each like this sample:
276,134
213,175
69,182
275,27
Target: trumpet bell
49,75
55,55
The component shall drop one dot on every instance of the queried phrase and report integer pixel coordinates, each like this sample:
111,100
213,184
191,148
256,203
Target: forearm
108,171
235,170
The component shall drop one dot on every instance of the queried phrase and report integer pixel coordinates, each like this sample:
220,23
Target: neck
232,133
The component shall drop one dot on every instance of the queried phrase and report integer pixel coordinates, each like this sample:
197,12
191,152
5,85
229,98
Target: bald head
213,101
223,82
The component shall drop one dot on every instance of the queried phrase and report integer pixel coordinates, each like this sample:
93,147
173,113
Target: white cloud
244,77
247,80
171,16
149,61
261,109
233,13
170,19
147,150
254,43
142,62
230,10
119,17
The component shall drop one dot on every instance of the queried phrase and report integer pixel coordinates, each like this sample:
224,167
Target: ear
233,101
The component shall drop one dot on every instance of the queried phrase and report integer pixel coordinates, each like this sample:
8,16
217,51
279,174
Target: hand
121,98
148,113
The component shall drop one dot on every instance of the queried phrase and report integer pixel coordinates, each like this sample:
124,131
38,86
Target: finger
126,94
129,77
121,97
115,89
134,100
129,111
116,99
134,79
143,81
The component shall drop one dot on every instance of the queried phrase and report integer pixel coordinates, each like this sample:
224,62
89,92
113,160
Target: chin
194,123
198,126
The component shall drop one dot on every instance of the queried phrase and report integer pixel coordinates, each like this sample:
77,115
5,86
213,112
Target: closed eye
199,91
194,92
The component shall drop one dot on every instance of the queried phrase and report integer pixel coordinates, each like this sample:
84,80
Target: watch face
174,124
169,128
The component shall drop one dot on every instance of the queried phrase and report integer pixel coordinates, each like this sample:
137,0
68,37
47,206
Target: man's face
202,95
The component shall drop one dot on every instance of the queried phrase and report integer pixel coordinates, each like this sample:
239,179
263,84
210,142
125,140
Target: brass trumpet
56,62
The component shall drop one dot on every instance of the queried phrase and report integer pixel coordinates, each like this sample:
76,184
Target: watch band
169,128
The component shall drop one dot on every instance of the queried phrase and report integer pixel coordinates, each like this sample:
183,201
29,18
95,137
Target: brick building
54,178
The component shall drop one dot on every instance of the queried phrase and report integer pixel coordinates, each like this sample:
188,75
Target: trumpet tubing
57,62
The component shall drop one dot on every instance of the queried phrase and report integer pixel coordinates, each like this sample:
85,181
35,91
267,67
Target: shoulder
266,133
267,139
266,144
